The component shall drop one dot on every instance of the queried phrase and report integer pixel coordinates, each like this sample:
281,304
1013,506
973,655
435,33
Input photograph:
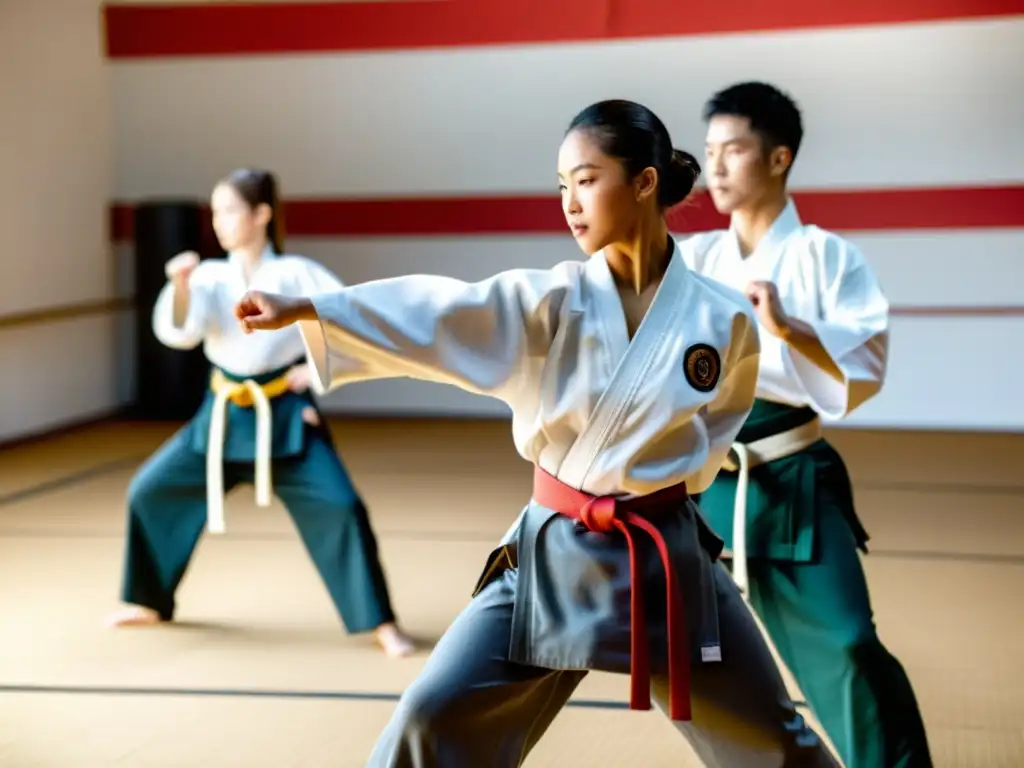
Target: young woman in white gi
824,326
628,376
258,423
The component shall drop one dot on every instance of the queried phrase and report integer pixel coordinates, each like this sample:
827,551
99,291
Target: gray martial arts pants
472,708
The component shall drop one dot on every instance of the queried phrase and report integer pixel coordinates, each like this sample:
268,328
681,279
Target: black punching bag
170,383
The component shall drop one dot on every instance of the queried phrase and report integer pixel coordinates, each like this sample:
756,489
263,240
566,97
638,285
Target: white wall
903,105
895,105
934,104
57,179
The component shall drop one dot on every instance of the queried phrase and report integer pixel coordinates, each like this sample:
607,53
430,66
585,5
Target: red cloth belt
604,514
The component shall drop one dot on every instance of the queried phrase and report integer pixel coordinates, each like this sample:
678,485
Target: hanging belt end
641,703
681,713
263,497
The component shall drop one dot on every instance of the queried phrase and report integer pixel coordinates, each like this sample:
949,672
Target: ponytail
259,187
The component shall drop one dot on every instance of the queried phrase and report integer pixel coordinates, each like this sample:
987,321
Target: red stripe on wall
278,28
841,211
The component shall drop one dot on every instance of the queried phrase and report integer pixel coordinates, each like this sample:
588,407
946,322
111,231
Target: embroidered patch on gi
702,367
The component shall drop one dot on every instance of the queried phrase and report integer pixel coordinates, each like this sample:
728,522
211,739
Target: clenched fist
258,311
765,297
181,266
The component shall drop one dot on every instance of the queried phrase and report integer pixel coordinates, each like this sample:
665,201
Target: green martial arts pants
167,514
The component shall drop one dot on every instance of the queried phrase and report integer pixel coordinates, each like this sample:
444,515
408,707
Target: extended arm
487,337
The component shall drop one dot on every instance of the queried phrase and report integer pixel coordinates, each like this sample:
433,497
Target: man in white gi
824,339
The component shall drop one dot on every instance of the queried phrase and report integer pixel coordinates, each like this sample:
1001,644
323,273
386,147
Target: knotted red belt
604,514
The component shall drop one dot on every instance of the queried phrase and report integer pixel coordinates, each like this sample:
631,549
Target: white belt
215,453
746,458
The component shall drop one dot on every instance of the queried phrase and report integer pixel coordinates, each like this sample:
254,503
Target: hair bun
687,161
680,177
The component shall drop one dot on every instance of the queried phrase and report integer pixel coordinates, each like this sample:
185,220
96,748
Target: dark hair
259,187
636,136
773,115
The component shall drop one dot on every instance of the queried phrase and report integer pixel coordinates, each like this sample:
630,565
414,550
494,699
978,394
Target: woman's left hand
298,382
298,378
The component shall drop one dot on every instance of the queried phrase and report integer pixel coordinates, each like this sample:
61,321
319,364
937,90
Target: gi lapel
631,359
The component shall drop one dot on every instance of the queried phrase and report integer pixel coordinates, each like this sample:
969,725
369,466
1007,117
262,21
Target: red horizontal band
226,29
840,210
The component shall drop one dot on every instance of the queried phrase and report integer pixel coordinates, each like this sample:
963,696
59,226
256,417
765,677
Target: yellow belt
743,458
246,394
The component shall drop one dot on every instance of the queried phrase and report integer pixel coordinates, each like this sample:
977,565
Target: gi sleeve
484,337
852,325
200,315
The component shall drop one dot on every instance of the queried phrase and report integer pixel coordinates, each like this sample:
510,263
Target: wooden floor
258,672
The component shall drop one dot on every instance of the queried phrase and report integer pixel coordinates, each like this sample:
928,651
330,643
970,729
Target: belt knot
604,514
600,514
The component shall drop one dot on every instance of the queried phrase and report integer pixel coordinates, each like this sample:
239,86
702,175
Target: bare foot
133,616
395,643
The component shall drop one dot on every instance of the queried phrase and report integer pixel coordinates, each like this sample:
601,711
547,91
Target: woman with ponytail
628,376
258,424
